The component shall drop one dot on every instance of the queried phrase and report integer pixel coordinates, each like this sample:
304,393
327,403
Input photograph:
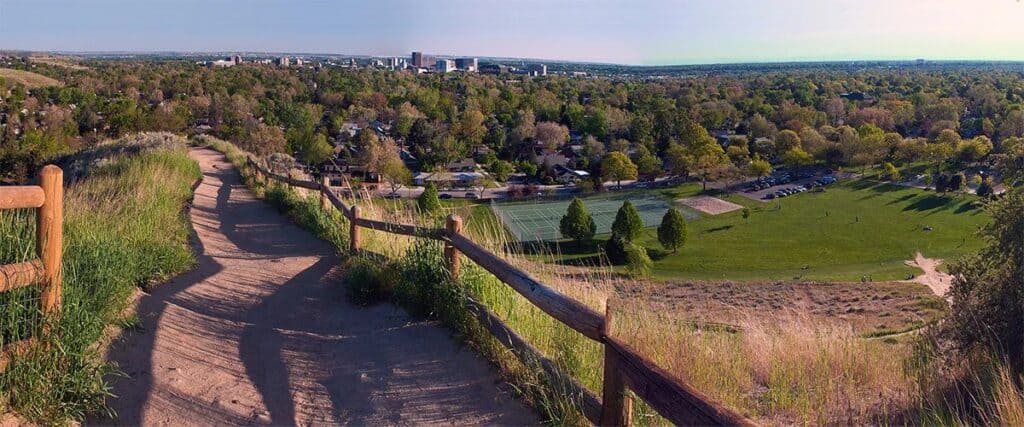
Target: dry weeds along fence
48,200
624,368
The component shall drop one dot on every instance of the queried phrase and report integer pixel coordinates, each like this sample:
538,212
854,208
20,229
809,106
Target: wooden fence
48,200
624,368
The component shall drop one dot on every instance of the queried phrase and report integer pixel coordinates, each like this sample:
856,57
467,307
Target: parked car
392,195
444,196
472,195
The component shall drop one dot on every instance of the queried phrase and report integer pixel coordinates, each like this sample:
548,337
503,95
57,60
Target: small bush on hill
429,201
638,263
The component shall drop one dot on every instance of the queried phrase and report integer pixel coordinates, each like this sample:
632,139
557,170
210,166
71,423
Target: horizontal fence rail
624,367
45,271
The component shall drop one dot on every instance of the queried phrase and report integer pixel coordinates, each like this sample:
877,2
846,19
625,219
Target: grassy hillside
855,230
28,78
125,227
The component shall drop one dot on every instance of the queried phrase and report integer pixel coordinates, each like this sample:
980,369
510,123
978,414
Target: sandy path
260,333
934,279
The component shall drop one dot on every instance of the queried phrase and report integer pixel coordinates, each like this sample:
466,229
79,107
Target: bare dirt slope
260,333
934,279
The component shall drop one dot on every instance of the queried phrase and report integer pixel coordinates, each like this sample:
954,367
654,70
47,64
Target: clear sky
624,31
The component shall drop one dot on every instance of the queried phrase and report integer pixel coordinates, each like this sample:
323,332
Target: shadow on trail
258,333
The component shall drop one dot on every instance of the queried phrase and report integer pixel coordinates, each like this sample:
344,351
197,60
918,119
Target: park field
29,79
857,230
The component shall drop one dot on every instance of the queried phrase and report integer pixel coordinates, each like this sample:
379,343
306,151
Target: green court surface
538,220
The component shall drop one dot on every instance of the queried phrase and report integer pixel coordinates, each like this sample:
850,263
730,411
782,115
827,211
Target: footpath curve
261,333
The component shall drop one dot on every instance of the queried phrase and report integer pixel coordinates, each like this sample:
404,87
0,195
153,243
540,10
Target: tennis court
538,220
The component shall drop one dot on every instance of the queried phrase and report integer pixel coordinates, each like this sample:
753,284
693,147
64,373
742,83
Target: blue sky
634,32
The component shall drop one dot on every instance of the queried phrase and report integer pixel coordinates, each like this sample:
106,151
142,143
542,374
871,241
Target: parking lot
761,189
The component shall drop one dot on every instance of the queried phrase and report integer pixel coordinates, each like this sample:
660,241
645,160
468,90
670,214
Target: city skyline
649,32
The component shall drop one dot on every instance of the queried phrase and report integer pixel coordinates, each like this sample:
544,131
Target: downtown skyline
649,32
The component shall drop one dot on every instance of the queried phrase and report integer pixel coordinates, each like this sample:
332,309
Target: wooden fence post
453,226
325,186
50,236
353,230
616,405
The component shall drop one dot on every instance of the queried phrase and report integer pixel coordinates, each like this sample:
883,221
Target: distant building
417,60
448,179
236,59
493,69
445,66
466,64
220,63
462,165
284,61
537,70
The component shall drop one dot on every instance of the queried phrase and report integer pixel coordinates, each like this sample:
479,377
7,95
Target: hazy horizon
648,32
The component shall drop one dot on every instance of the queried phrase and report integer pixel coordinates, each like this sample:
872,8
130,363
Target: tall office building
417,60
445,65
466,64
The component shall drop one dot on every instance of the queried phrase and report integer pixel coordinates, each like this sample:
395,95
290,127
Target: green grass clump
368,281
125,227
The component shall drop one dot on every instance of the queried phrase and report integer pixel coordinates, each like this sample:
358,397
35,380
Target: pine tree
429,202
672,231
577,224
628,225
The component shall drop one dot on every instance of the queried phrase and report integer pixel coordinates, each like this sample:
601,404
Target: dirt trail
260,333
934,279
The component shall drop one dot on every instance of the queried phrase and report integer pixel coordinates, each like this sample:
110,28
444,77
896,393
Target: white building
445,65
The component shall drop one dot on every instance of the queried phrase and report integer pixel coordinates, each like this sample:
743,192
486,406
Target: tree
672,231
265,140
638,263
746,213
628,225
705,157
985,189
429,202
396,173
470,127
677,160
647,164
973,150
501,170
796,158
891,172
551,134
987,299
406,115
310,146
787,140
577,223
616,166
759,167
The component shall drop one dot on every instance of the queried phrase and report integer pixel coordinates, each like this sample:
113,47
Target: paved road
260,333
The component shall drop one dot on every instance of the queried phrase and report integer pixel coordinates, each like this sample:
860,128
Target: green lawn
854,230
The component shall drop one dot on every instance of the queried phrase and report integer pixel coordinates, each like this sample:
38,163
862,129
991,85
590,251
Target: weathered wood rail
45,271
624,368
